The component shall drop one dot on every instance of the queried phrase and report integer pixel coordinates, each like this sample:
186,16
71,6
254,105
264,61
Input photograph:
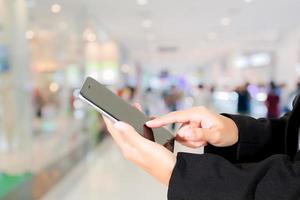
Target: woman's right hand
199,127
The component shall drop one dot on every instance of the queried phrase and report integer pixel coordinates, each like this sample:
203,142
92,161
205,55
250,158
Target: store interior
163,54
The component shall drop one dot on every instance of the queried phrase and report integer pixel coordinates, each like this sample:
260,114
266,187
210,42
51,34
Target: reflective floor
105,174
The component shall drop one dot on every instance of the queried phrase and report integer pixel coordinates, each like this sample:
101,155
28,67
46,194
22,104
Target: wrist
170,167
159,163
234,131
230,131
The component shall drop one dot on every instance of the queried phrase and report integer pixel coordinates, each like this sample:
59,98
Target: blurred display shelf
9,182
33,186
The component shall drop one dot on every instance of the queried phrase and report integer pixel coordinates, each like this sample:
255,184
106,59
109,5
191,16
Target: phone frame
160,135
111,118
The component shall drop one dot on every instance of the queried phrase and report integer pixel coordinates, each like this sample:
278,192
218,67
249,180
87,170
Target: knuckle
217,138
198,134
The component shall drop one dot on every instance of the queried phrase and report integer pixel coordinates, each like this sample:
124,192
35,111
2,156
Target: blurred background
233,56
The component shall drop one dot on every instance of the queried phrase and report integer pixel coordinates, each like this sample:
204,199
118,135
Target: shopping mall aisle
106,175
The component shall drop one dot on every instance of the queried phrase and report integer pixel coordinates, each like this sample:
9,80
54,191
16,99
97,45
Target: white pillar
16,104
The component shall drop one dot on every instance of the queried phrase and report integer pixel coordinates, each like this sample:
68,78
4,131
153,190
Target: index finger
181,116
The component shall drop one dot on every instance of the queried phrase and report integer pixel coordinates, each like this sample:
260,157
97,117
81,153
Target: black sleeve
211,177
258,139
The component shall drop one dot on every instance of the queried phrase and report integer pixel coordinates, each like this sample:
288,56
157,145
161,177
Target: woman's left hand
150,156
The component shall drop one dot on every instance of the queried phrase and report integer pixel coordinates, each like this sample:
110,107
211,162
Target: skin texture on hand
150,156
199,127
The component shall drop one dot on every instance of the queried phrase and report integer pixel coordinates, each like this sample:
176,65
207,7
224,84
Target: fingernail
149,123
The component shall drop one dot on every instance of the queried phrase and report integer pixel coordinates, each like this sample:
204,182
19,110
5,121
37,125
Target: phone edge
105,114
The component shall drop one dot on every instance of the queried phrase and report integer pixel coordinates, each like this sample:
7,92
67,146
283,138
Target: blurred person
289,103
172,98
38,103
273,101
212,89
245,158
128,93
283,95
148,100
132,94
202,96
298,88
72,101
244,99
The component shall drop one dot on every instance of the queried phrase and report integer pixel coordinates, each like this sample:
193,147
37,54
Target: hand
150,156
199,127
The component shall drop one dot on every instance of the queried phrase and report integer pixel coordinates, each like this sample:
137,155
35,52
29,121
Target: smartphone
116,109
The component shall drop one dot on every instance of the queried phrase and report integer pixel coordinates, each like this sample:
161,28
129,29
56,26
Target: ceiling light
108,76
241,62
29,35
248,1
147,23
89,35
53,87
142,2
225,21
56,8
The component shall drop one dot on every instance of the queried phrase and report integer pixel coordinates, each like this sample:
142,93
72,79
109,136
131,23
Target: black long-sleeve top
263,165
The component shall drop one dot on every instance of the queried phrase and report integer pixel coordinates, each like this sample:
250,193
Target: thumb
127,132
132,142
211,135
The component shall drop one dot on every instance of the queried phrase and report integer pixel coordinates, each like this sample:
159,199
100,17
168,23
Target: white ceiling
186,25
